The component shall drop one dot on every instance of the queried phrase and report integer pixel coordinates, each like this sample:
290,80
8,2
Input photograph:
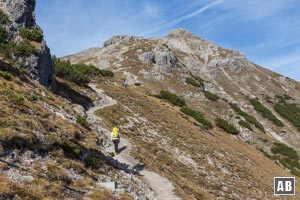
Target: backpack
115,135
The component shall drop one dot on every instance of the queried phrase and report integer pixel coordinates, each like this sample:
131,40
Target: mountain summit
230,123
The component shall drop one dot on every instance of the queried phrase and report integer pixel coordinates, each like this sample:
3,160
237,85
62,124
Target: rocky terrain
38,63
197,121
218,83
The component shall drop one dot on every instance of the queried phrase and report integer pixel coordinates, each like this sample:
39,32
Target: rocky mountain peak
179,32
121,38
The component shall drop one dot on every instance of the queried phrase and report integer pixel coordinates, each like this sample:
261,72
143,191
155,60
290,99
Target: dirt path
161,186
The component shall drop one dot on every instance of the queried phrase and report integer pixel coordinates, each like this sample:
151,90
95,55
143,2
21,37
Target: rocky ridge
21,14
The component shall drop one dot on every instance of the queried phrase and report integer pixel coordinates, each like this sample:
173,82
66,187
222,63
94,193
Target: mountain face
165,63
18,25
197,121
228,131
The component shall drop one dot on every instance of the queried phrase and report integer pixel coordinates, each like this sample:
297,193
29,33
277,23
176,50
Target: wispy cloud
181,18
267,32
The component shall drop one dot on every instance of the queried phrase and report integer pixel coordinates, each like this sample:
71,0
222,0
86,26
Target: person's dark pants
116,143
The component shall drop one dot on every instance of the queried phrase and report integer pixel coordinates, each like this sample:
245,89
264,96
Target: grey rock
80,110
148,57
21,14
164,61
109,185
121,38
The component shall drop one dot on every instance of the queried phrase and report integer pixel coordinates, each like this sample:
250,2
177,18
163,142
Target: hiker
115,138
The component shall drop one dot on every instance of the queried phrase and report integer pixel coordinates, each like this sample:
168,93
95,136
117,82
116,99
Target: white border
285,194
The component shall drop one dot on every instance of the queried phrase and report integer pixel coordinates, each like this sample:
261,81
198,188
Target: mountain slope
221,84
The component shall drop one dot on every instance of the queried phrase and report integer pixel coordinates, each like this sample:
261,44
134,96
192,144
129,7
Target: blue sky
267,32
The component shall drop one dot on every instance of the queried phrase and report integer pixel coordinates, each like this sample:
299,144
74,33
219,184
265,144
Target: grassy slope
246,166
27,126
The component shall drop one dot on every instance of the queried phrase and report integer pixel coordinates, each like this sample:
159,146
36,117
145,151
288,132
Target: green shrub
247,117
16,98
282,149
265,112
4,19
90,162
197,116
211,96
6,75
287,156
291,112
194,82
31,34
106,73
6,49
78,73
269,99
82,121
23,49
226,126
34,97
2,34
172,98
71,148
245,124
287,97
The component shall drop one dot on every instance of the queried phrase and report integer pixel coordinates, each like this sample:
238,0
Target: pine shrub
226,126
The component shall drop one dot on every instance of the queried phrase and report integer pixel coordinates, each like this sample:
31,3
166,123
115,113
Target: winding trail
161,186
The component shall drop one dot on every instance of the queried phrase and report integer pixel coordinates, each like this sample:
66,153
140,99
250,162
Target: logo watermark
284,185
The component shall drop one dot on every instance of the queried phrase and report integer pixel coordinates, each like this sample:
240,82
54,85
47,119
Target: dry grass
183,134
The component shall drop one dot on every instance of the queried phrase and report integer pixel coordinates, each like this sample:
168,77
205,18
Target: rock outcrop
21,14
121,38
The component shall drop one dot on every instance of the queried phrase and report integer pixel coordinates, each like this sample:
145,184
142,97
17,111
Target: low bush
247,117
10,49
287,97
172,98
265,112
23,49
211,96
2,34
78,73
280,148
34,97
83,122
4,19
245,124
6,75
90,161
71,148
226,126
16,98
197,116
291,112
106,73
31,34
194,82
287,156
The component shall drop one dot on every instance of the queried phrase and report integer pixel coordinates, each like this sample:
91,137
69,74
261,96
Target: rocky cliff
37,61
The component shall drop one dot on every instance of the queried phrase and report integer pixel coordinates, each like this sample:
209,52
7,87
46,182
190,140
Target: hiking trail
161,186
